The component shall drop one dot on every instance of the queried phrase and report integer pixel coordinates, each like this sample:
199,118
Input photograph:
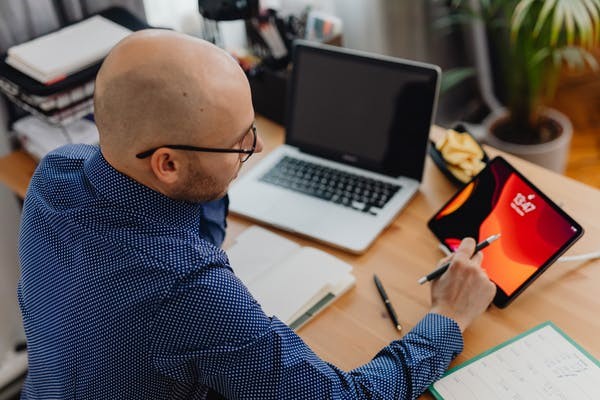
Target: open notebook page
303,278
257,250
541,364
285,278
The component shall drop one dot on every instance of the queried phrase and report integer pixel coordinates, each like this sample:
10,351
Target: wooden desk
356,327
16,170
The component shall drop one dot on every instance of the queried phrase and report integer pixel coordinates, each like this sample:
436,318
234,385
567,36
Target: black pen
440,271
388,305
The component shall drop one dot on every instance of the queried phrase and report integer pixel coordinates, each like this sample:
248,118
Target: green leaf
583,23
577,58
591,60
454,76
572,56
540,56
519,16
557,22
593,9
556,58
546,10
569,20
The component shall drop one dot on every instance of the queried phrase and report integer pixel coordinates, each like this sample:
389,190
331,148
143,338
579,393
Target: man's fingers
466,248
477,258
444,260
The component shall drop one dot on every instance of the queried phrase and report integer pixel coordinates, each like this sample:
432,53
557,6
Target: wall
405,28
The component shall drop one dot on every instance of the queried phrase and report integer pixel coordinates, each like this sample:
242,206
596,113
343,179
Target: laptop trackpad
294,218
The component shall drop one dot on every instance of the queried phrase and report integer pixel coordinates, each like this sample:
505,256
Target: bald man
125,291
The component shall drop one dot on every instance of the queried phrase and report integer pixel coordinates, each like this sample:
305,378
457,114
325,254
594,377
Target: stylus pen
387,303
440,271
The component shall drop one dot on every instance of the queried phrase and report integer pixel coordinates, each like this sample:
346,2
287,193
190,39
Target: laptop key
354,191
358,205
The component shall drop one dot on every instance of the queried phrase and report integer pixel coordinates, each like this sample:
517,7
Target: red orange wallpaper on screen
532,232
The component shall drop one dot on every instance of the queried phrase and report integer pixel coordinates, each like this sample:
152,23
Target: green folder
522,368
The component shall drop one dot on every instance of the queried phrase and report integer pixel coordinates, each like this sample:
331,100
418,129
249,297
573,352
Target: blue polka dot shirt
126,294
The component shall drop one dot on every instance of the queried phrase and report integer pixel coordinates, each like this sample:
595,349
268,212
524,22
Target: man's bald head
158,87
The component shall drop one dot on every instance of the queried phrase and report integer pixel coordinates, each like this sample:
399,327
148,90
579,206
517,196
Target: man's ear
166,166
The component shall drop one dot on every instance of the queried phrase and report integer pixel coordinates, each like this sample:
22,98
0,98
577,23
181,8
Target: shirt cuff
443,332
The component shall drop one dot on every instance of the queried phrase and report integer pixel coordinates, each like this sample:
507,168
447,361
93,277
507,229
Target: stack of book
59,108
53,76
38,138
52,57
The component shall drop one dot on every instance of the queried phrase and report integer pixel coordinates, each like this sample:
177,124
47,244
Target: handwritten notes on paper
543,364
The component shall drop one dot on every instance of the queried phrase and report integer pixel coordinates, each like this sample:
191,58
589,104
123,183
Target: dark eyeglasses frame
247,152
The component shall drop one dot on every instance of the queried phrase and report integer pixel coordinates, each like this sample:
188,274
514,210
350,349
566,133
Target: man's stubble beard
200,188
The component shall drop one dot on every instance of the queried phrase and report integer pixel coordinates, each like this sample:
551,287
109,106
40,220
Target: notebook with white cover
356,136
52,57
289,281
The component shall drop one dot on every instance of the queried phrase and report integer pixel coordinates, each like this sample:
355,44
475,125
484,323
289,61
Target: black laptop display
356,137
370,112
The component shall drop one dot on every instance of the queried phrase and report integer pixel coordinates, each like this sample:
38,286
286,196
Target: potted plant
530,41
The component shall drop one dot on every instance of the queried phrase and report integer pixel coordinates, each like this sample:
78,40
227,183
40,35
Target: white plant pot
552,155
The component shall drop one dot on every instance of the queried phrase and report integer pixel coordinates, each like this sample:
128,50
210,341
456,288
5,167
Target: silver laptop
356,135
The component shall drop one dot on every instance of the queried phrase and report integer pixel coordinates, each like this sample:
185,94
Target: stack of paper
291,282
51,58
38,138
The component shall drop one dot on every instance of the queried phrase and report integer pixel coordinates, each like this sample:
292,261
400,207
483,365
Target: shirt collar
119,189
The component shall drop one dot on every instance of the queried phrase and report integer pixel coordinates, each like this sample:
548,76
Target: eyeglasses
247,147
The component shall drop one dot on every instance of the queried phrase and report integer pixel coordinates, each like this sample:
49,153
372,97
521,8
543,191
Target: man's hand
464,291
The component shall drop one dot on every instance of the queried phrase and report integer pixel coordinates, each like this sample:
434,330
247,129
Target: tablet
535,231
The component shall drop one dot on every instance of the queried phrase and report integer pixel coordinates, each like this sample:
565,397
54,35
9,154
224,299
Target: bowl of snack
458,155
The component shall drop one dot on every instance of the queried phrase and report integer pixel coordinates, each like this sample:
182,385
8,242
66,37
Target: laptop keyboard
354,191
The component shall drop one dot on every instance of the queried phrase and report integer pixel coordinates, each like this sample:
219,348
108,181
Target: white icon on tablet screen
523,204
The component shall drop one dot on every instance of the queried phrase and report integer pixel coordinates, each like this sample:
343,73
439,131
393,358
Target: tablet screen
535,231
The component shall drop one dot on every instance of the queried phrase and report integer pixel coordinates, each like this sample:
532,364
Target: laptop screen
365,110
